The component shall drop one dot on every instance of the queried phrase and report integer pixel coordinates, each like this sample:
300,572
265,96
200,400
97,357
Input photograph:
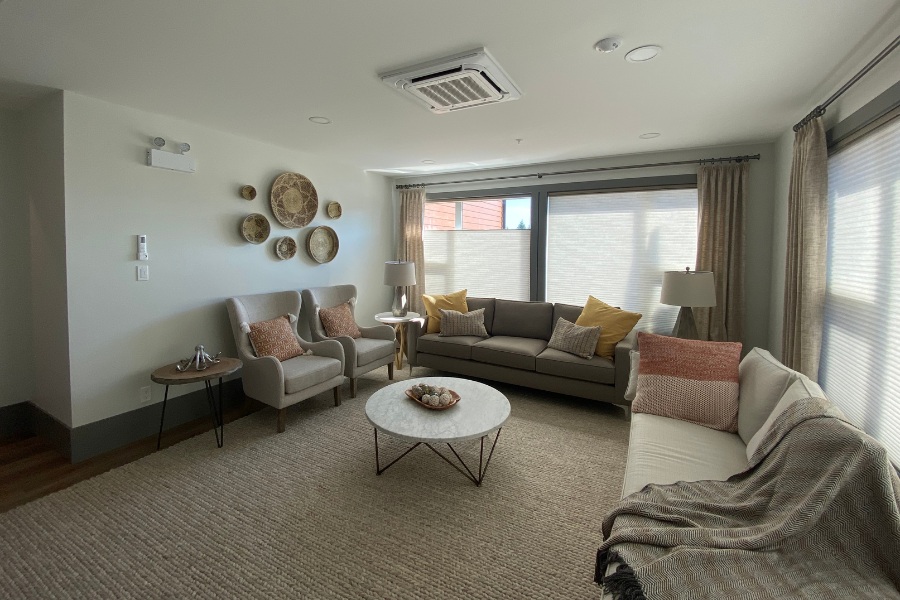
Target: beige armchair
281,384
374,349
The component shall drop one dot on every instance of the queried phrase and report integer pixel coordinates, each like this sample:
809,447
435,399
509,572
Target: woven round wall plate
322,244
255,228
334,210
248,192
294,200
285,247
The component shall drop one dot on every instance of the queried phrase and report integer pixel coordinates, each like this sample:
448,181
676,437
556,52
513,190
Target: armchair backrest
326,297
260,307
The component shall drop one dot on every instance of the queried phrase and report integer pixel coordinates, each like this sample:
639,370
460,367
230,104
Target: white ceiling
730,71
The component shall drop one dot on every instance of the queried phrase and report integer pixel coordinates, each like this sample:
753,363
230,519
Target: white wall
45,189
758,217
875,82
15,256
121,329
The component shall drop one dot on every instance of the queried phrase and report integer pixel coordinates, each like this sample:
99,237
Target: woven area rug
302,514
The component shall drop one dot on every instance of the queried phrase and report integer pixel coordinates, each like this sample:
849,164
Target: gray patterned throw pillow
454,322
574,339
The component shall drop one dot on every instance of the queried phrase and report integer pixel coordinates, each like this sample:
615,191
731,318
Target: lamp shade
398,273
688,288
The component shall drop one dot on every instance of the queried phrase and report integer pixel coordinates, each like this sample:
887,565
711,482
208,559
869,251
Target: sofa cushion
515,318
507,351
371,349
303,372
434,302
452,347
562,364
614,324
454,323
763,382
569,312
802,387
691,380
574,339
488,305
663,450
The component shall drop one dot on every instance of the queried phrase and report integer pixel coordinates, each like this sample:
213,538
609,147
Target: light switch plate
143,273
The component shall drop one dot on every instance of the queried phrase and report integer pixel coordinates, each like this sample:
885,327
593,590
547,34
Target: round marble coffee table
480,410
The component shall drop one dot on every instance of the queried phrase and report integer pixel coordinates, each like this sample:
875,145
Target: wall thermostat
142,247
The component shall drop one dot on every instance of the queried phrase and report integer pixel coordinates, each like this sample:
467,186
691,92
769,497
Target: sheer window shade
616,245
860,360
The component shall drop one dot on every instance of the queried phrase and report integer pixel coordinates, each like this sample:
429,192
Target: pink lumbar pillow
689,380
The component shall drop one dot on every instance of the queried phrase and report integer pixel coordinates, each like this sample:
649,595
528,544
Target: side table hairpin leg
162,418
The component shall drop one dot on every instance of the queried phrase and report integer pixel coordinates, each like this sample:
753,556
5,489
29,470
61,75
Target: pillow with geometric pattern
275,337
689,380
338,320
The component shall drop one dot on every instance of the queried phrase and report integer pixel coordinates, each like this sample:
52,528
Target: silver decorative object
200,360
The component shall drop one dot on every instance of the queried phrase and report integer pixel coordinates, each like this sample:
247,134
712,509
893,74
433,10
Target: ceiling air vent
462,81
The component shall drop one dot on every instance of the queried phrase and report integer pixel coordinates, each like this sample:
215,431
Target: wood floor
31,468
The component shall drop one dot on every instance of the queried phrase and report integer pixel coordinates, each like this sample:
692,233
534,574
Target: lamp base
400,307
685,326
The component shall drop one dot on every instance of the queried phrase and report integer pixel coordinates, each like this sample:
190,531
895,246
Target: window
616,245
482,245
860,361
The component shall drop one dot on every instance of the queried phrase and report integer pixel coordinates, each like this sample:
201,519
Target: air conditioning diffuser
461,81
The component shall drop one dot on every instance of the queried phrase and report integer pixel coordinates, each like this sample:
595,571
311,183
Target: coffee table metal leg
162,417
378,469
482,466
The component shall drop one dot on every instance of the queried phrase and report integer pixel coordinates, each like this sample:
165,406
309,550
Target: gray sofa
516,352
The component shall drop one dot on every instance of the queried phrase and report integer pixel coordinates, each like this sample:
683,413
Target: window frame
540,195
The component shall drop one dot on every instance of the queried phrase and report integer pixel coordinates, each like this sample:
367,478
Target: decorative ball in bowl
432,396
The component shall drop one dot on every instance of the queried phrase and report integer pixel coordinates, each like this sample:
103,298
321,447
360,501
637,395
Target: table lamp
687,289
399,274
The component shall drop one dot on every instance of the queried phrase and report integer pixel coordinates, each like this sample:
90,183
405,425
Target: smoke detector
464,80
608,44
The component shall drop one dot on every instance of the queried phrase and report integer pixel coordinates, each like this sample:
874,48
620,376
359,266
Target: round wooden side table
399,324
169,375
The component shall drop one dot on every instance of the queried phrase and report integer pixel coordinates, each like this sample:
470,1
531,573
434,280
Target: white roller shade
860,363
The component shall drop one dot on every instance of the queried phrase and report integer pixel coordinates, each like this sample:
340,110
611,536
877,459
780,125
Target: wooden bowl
454,398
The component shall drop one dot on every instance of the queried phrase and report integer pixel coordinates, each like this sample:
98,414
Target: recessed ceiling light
649,136
320,120
428,161
643,53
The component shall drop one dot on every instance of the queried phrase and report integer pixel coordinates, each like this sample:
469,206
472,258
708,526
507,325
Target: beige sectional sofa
516,352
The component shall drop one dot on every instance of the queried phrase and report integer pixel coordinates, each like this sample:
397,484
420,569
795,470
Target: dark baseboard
99,437
15,421
47,427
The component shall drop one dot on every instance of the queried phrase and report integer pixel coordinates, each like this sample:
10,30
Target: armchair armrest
414,329
623,361
263,378
378,332
331,348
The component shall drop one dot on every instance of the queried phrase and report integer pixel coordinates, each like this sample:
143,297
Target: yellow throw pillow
434,303
614,324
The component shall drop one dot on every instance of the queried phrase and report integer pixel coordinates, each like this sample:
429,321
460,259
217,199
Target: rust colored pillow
338,320
689,380
275,337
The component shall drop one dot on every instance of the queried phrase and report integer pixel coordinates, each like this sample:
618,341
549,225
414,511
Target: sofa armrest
623,362
414,329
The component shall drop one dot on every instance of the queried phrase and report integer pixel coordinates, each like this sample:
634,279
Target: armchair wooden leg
337,395
281,415
391,371
353,387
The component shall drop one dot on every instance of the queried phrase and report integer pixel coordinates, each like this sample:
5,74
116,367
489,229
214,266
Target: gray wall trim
108,434
16,421
873,110
46,426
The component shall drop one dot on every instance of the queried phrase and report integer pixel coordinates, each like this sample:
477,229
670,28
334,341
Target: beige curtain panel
412,248
807,238
721,191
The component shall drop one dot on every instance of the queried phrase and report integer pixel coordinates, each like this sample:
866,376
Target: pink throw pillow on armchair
689,380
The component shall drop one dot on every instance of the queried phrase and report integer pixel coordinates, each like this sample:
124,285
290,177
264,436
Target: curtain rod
820,109
699,161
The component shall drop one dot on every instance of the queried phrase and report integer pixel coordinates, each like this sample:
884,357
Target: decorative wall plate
322,244
285,247
255,228
334,210
294,200
248,192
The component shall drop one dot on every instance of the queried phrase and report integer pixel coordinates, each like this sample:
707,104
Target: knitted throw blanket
815,515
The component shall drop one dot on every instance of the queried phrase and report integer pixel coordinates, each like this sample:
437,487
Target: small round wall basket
255,228
285,247
322,244
334,210
248,192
